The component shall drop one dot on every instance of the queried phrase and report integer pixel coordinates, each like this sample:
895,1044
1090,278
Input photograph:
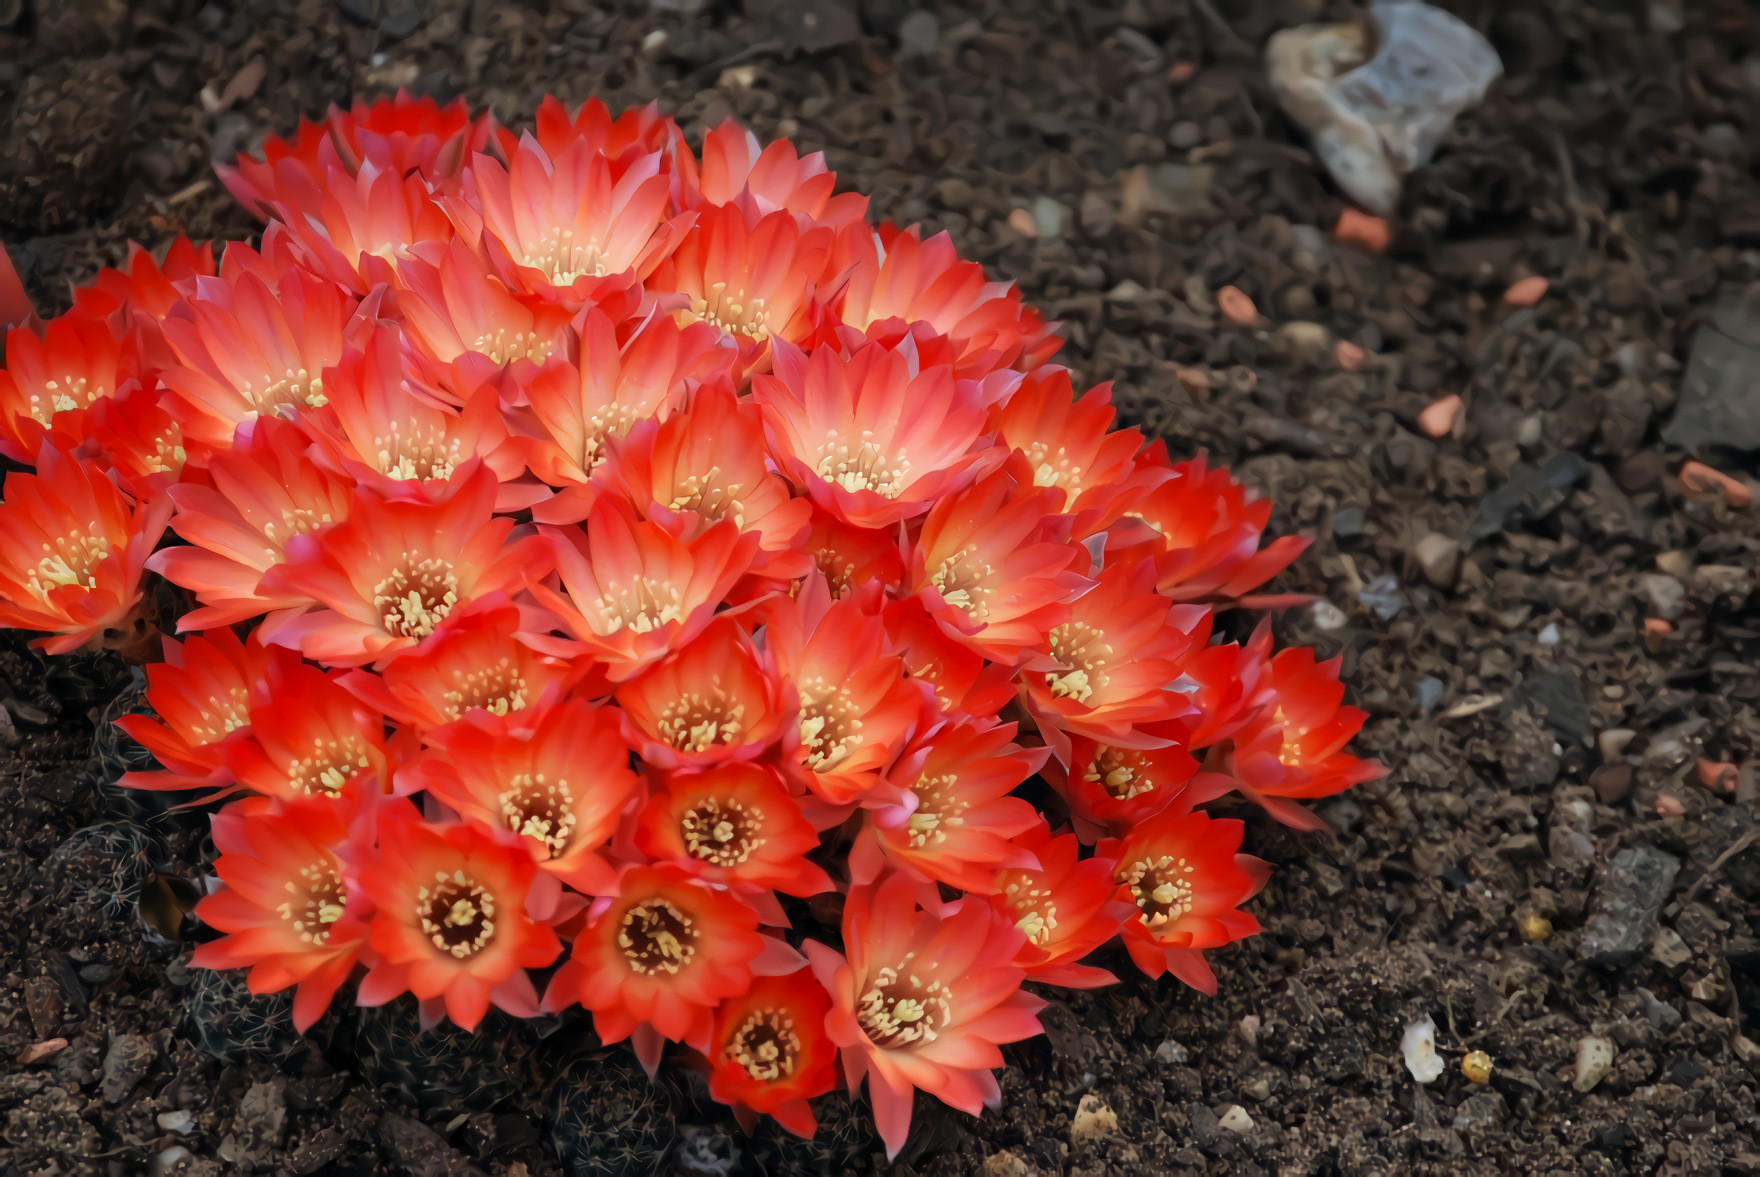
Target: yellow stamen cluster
295,387
830,725
1084,653
733,311
497,689
63,395
939,809
71,559
643,605
562,257
722,832
1038,913
766,1045
329,767
899,1011
965,583
1160,888
457,914
1122,772
415,598
317,902
697,721
656,936
857,464
503,346
540,806
417,454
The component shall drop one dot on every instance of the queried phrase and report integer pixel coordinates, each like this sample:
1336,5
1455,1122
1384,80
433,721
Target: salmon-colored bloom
353,228
451,920
576,408
144,291
72,548
310,738
992,568
709,703
1183,873
874,437
390,574
768,1052
142,441
1112,789
735,826
201,694
1228,684
922,1000
561,784
895,275
636,592
856,706
53,380
706,464
246,347
290,906
1293,749
640,130
963,681
852,557
958,819
776,177
1070,443
477,666
1112,663
654,960
257,495
1067,907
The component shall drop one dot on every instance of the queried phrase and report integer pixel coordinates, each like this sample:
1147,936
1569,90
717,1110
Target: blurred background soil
1544,863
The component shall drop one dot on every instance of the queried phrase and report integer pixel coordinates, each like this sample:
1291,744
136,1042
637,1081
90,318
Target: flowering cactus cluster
614,557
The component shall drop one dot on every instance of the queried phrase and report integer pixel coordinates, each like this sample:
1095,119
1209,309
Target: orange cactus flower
1112,789
707,704
142,440
257,495
990,567
874,437
1202,530
576,409
640,130
351,229
774,177
1109,665
310,738
751,277
144,291
1070,443
895,275
72,548
956,825
52,381
963,681
856,707
290,908
1229,684
389,575
451,920
922,1001
768,1053
561,785
654,960
850,557
734,826
1067,907
1293,750
201,693
246,347
476,667
636,592
706,464
1186,879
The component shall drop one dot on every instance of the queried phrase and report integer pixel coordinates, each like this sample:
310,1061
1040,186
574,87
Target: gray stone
1666,596
1439,557
1631,888
1720,391
919,34
125,1064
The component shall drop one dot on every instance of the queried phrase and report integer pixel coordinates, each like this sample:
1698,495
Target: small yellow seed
1535,927
1477,1067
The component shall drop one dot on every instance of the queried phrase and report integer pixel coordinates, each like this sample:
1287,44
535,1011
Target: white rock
1171,1053
1375,118
1594,1060
1419,1046
178,1121
1326,615
1613,743
1093,1118
1234,1118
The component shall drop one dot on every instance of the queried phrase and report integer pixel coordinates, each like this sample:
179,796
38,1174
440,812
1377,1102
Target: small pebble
1349,357
1093,1118
179,1121
1594,1061
1438,416
1439,558
1021,221
1718,775
1361,229
1613,742
1549,635
1430,692
1236,308
1248,1029
1049,217
1698,478
1668,805
1326,615
1185,134
1419,1048
1171,1053
1526,292
1348,523
1234,1118
918,34
36,1052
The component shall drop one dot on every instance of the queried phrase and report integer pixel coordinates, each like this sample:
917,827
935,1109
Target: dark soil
1614,160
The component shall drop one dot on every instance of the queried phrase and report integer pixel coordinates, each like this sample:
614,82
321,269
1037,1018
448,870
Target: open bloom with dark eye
922,1000
291,910
1067,906
391,574
734,825
451,920
709,703
561,785
956,820
310,738
1110,789
768,1052
1186,879
72,548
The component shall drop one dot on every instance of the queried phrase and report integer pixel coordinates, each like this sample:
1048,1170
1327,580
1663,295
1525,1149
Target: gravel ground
1542,867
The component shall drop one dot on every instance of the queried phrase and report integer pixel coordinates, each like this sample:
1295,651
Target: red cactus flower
310,738
635,591
1067,907
201,693
1229,685
873,438
142,441
1070,443
735,826
258,495
1183,873
352,229
451,920
247,347
640,130
706,464
707,704
1294,748
963,681
291,911
477,666
55,379
773,177
922,1001
560,784
1112,789
991,568
857,707
850,557
957,824
144,291
390,574
72,549
654,960
768,1052
894,275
